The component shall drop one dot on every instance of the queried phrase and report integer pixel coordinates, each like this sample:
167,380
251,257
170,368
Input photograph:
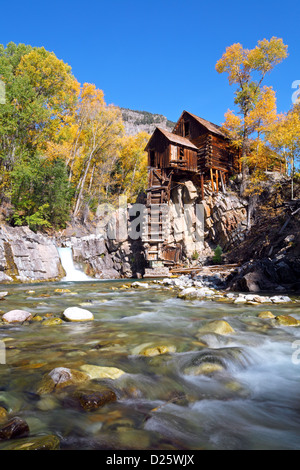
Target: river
249,400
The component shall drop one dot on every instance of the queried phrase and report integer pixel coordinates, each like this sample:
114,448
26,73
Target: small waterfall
72,273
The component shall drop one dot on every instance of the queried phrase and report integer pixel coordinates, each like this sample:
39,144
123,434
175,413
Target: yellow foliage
233,128
264,114
52,80
131,176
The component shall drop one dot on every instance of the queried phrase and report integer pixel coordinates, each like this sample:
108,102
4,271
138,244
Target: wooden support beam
217,181
202,186
222,182
212,180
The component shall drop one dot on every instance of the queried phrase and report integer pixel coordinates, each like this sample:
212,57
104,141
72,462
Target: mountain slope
143,121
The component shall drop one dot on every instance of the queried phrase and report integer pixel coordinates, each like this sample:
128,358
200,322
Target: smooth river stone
14,428
78,314
100,372
59,378
16,316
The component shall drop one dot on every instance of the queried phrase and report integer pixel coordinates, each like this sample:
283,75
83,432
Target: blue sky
158,56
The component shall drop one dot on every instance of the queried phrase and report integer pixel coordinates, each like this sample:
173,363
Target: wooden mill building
197,150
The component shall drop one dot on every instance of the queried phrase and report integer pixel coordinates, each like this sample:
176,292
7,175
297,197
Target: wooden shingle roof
175,139
214,128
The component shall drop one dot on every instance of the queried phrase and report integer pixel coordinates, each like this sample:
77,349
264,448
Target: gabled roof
173,138
214,128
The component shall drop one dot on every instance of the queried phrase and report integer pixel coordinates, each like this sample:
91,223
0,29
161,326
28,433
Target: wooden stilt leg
212,180
202,187
217,181
222,182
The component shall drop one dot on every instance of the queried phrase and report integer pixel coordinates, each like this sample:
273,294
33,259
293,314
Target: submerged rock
3,414
98,372
157,350
16,316
220,327
266,314
77,314
52,322
59,378
91,401
50,442
206,368
287,320
14,428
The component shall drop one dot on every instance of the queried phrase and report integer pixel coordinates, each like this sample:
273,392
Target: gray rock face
142,121
266,274
106,258
224,218
26,256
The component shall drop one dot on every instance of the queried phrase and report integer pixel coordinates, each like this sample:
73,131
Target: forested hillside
63,150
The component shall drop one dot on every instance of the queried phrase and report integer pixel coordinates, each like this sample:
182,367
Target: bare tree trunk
245,167
81,185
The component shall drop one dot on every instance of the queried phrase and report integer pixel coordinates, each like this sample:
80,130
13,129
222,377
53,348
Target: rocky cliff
223,218
26,256
143,121
269,256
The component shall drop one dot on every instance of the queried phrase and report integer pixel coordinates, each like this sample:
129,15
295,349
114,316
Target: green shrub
217,258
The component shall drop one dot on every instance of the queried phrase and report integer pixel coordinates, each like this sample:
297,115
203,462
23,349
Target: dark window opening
181,153
186,129
152,157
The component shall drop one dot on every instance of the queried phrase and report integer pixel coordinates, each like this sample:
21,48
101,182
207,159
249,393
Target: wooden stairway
158,195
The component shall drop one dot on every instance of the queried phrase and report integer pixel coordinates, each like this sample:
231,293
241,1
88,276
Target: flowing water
251,400
72,273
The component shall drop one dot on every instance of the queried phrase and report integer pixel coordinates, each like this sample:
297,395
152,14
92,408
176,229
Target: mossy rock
50,442
220,327
90,400
157,350
37,318
52,322
99,372
3,414
60,378
287,320
266,314
206,368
